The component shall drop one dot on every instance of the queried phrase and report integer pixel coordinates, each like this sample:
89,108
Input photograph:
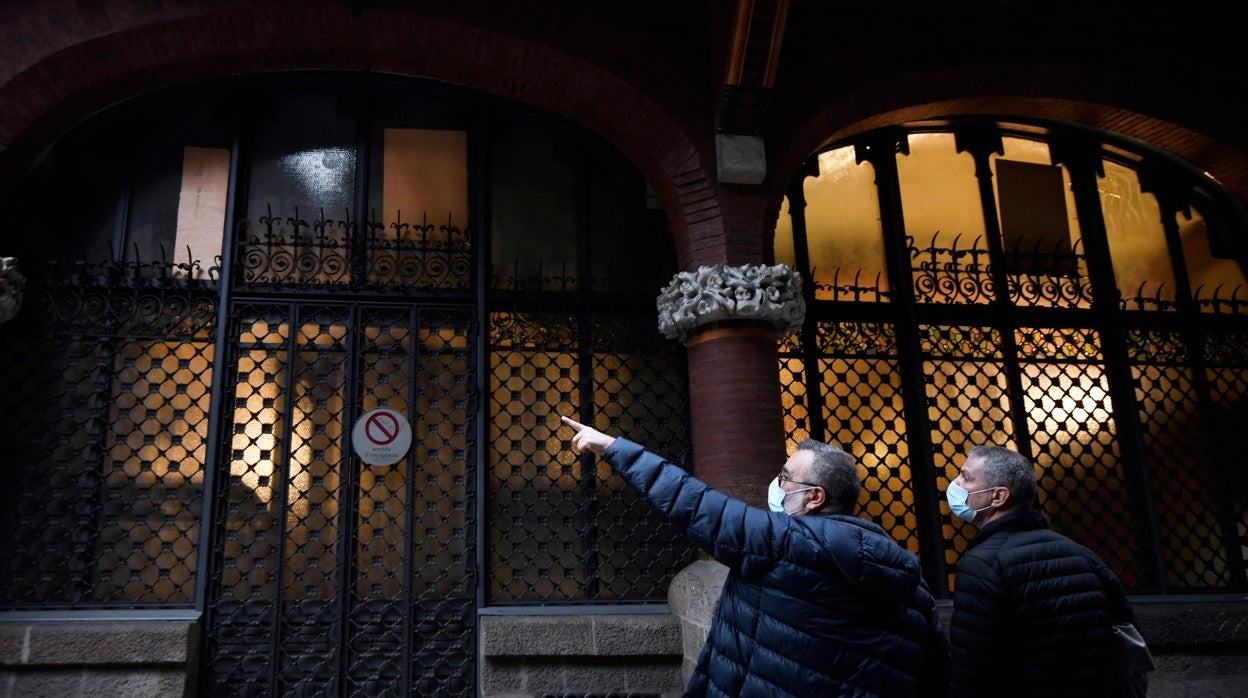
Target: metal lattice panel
1083,485
566,527
1226,356
967,403
336,577
1174,434
106,395
862,406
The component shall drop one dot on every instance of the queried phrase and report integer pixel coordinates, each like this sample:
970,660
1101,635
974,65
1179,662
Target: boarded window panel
1033,207
201,208
425,177
1035,229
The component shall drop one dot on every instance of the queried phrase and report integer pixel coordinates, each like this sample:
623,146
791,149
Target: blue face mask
957,496
776,495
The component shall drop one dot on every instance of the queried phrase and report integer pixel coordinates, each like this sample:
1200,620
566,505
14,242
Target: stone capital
749,293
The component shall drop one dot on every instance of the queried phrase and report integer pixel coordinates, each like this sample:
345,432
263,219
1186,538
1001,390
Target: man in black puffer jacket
818,602
1032,609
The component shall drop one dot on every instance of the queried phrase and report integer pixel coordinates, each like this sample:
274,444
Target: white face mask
957,495
776,495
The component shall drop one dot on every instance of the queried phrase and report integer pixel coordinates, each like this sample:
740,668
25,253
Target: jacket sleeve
744,538
1119,604
978,629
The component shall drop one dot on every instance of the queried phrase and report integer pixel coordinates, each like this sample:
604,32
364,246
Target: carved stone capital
750,292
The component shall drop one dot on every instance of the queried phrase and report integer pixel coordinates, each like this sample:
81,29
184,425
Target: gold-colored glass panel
940,194
1137,241
1212,278
844,236
944,220
783,244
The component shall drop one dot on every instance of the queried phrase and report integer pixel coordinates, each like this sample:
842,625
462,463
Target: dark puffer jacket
813,605
1032,612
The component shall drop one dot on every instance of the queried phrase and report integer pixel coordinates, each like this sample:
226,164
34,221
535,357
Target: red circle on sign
382,428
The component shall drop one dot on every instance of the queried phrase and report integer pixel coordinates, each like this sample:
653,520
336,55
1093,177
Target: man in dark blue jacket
1032,610
818,602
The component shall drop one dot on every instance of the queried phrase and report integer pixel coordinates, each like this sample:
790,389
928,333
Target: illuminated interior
978,380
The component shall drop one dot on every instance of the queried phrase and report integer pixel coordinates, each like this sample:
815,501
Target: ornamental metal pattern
105,390
967,398
333,577
864,410
1084,484
1047,390
565,527
293,253
961,273
1195,425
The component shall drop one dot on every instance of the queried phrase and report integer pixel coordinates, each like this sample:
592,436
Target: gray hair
835,471
1008,469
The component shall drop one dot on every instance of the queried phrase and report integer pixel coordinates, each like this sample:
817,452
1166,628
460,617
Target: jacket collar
1022,520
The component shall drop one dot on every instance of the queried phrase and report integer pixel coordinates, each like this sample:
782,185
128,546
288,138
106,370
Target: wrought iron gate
329,576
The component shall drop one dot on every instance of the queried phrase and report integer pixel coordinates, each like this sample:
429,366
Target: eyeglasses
786,478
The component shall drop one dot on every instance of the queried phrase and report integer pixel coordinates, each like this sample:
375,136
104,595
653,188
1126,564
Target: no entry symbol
381,436
381,428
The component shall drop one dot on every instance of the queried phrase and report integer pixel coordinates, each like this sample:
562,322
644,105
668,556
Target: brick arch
50,93
1144,112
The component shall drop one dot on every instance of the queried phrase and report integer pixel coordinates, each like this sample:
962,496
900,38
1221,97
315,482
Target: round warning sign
381,436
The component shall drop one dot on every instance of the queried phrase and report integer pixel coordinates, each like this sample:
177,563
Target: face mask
957,496
776,495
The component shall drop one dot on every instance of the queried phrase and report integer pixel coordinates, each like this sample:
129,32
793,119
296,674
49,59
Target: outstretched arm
740,536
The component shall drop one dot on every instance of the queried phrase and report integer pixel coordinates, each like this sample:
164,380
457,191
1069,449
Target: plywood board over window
1034,223
201,208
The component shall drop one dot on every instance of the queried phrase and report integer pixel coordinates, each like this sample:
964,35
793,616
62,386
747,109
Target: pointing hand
588,438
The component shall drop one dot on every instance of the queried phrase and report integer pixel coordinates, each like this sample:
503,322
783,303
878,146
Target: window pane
1137,241
844,236
304,160
944,218
180,173
629,245
939,193
201,208
1212,278
533,231
419,209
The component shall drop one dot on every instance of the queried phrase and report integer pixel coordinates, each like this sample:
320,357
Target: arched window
1039,286
224,279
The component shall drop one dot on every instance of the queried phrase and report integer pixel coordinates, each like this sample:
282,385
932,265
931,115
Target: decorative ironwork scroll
330,252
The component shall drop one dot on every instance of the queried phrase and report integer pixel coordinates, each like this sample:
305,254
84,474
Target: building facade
307,287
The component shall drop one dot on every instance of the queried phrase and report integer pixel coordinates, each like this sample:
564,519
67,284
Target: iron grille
567,528
105,391
860,394
1047,389
335,577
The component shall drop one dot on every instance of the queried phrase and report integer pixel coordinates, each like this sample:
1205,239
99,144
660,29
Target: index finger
572,423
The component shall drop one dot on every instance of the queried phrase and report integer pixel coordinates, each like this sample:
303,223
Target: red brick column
734,391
